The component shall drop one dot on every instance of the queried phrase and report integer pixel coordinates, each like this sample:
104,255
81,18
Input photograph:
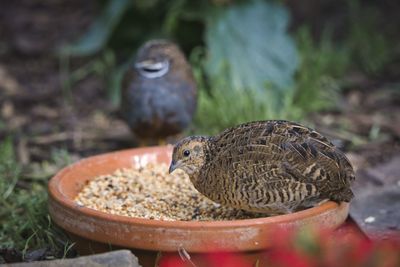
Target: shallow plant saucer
146,234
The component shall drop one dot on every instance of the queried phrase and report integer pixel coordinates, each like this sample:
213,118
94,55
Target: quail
272,167
159,93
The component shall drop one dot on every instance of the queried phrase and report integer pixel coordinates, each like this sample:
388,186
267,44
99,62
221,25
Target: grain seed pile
150,192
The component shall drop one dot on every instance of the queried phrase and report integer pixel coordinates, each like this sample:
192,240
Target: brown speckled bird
273,167
159,93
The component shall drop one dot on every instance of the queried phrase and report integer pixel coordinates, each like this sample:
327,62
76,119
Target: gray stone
378,214
120,258
376,205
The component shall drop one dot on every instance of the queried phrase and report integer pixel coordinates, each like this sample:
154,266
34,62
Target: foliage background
248,65
296,60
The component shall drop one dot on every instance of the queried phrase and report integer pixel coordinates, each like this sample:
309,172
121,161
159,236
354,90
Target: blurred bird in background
159,93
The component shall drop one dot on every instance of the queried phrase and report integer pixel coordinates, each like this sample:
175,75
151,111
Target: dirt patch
42,114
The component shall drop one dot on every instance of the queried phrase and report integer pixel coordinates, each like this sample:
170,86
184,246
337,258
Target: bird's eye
186,153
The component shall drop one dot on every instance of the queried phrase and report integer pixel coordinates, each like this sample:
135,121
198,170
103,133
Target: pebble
150,192
369,219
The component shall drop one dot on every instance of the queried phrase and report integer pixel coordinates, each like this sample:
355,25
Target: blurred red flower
303,248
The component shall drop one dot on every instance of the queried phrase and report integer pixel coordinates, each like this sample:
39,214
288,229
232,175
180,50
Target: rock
377,213
120,258
36,255
377,200
10,255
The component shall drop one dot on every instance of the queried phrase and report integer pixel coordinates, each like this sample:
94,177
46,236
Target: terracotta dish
196,237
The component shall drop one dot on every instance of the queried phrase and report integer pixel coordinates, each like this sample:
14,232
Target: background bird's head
157,58
189,155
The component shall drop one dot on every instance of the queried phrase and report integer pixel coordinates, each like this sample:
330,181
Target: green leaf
100,31
249,46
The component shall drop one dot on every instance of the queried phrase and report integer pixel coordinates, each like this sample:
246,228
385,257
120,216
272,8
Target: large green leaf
249,46
100,31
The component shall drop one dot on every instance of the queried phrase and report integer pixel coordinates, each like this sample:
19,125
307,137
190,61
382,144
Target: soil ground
41,114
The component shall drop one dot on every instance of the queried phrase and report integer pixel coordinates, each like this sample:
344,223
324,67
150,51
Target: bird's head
156,58
190,154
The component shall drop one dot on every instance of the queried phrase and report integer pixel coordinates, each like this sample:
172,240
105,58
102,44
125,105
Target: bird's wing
261,173
276,151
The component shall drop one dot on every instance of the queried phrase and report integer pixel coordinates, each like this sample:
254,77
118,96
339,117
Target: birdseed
150,192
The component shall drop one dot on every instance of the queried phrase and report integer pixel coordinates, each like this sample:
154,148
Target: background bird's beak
172,167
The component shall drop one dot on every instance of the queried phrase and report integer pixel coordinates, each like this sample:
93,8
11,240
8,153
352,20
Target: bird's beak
173,166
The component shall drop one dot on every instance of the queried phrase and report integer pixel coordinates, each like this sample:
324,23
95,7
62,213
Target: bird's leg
162,142
171,139
143,142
